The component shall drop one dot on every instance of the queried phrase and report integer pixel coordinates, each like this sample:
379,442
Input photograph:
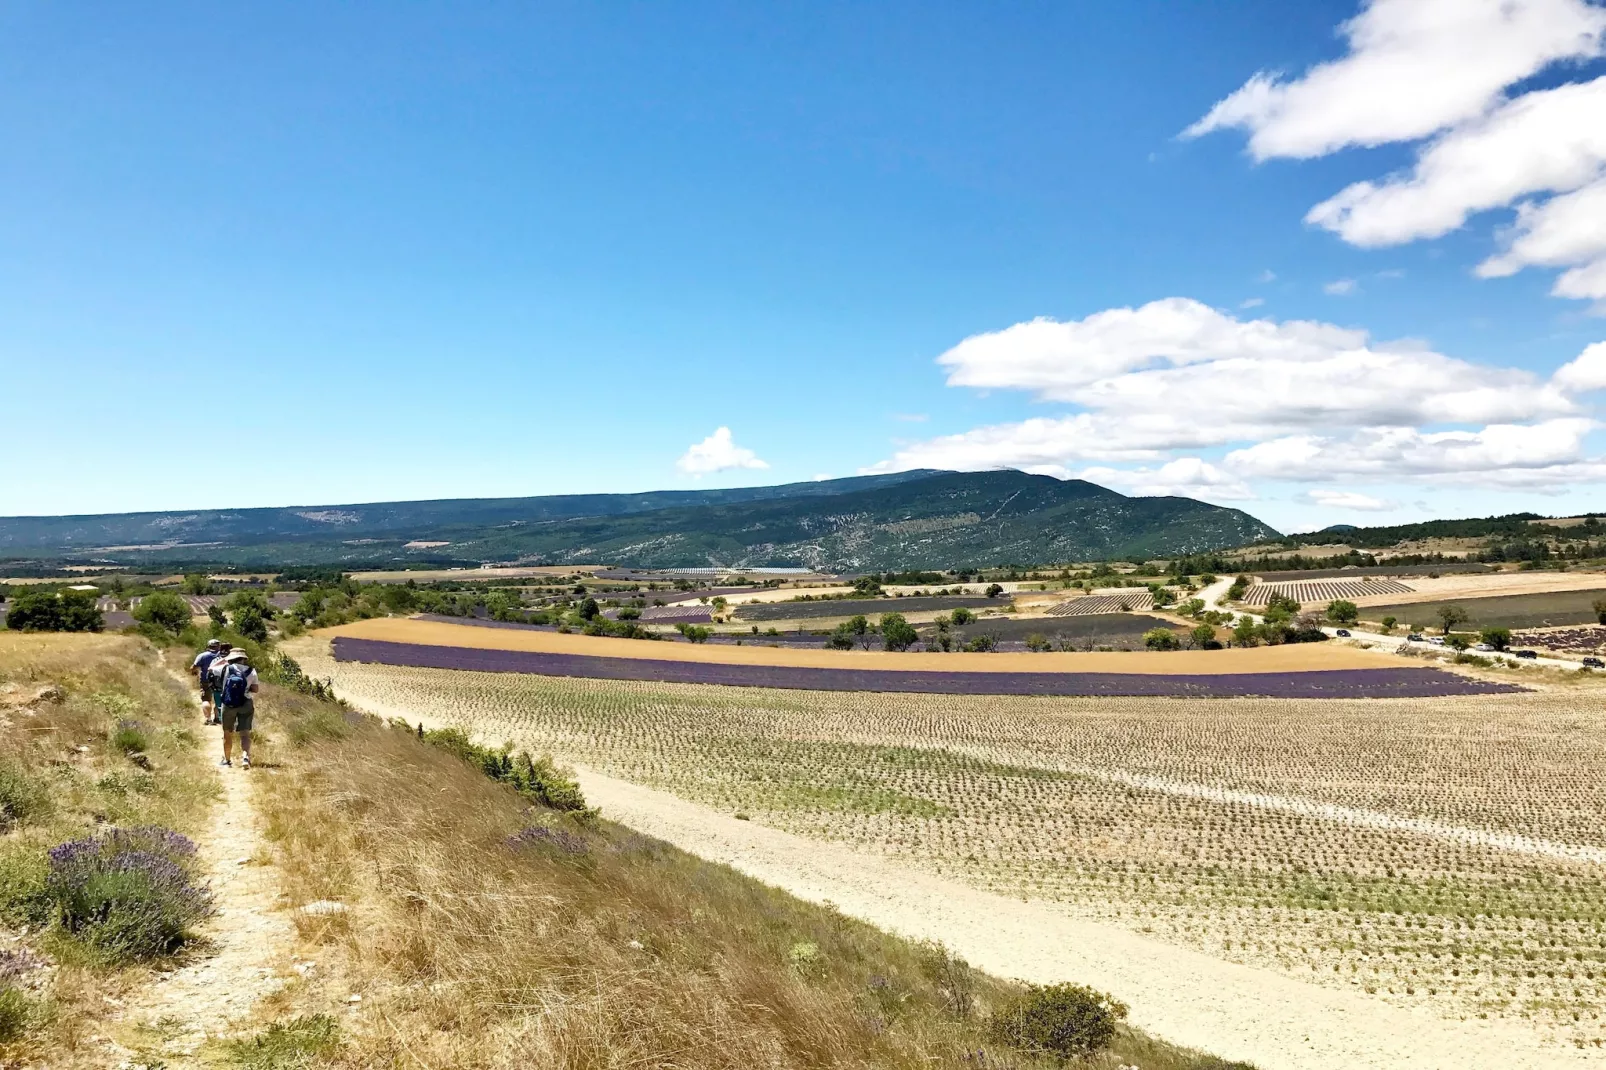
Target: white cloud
1340,287
1252,302
1268,276
1439,69
717,453
1551,451
1413,67
910,417
1302,401
1585,372
1349,499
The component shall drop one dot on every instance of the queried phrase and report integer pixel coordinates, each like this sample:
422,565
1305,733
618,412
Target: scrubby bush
1037,643
130,737
981,644
1389,624
1499,638
127,894
1062,1021
962,616
538,779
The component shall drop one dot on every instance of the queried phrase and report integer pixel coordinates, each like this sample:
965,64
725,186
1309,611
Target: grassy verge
484,930
93,735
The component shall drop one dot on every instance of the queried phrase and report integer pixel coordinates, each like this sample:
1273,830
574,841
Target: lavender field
1325,683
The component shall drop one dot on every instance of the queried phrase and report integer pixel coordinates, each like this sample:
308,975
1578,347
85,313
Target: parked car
1436,640
1342,633
1482,648
1594,663
1414,637
1526,653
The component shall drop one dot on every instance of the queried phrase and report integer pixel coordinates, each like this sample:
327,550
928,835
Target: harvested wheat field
1442,855
1483,585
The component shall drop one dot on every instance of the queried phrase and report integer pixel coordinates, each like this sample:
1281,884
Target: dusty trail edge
249,942
1180,995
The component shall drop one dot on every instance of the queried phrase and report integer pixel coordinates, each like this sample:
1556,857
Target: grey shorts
238,718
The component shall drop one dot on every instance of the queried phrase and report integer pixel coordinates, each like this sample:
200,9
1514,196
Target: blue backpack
236,685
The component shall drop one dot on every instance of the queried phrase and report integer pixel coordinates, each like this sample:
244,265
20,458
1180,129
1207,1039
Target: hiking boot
225,762
245,762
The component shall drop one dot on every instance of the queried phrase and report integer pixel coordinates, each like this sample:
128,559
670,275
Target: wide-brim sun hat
237,655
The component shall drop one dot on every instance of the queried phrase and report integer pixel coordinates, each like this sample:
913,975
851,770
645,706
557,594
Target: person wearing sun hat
202,662
238,710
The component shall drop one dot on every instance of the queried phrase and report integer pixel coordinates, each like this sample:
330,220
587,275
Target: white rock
324,906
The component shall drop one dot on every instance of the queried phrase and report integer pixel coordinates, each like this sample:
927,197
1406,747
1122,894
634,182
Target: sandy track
1293,658
1181,995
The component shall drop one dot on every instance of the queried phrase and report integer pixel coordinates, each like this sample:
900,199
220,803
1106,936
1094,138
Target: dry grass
612,951
1202,822
1288,658
61,697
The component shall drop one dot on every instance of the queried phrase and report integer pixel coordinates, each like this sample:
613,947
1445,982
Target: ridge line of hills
919,518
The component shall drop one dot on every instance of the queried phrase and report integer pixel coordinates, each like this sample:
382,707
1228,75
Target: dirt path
1233,1011
248,943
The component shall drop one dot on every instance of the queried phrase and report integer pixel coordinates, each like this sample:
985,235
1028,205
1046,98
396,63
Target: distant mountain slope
1512,525
920,519
408,520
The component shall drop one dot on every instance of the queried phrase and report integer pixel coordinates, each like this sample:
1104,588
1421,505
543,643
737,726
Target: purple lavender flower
128,893
541,836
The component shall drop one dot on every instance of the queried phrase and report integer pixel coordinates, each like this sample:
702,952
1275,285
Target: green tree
1244,633
79,612
994,590
35,611
1160,595
1389,624
897,633
841,637
1281,608
981,644
1450,616
859,626
1341,611
1203,637
1599,606
1037,642
963,616
589,609
164,610
1161,639
214,613
1499,638
197,583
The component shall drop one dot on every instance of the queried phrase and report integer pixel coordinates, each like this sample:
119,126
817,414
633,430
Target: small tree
897,633
981,644
994,590
1342,611
589,609
1389,624
1037,642
1499,638
1450,616
1244,633
1599,606
841,638
1203,637
35,611
963,616
1161,639
164,610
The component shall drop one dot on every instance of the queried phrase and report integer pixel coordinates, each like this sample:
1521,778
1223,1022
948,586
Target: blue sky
297,254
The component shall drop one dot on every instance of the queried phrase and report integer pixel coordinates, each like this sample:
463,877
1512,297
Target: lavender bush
128,894
555,839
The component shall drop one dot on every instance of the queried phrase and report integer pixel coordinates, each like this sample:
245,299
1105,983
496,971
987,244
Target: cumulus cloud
1550,451
1349,499
1413,67
717,453
1439,70
1314,402
1340,287
1585,372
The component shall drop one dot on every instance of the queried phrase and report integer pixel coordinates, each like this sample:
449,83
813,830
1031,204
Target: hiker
198,667
238,709
214,680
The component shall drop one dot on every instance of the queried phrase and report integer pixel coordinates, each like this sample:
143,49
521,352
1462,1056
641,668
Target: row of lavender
1330,683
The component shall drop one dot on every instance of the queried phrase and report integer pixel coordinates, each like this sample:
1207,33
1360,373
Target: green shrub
1063,1021
22,796
301,1042
538,779
16,1012
981,644
128,894
22,882
130,737
1161,639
